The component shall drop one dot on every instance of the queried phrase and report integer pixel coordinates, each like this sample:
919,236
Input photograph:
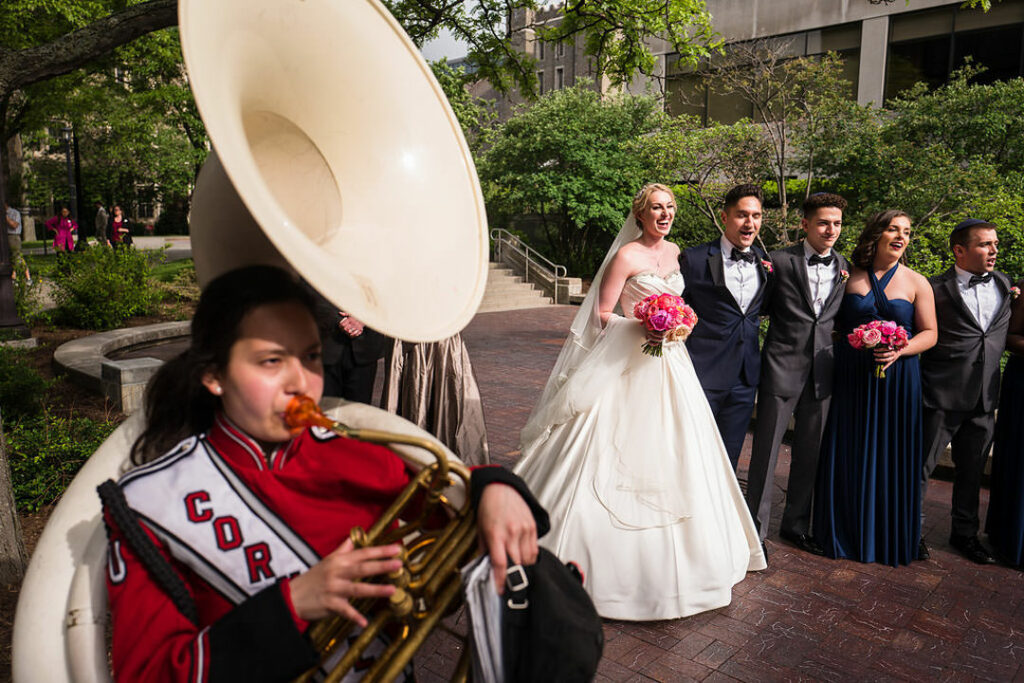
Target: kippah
970,223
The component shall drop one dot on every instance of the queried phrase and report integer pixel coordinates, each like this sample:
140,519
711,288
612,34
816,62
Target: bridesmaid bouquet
879,334
666,313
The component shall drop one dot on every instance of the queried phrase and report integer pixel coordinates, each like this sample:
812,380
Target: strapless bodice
644,284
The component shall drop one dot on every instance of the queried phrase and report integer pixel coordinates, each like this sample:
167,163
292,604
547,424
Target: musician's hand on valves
329,586
507,530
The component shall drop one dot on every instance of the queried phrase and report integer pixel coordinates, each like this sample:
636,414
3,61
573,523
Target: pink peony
855,340
659,320
888,327
872,337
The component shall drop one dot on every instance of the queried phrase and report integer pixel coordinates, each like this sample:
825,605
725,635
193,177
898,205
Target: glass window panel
728,107
851,69
685,95
997,48
919,60
1001,14
838,38
921,25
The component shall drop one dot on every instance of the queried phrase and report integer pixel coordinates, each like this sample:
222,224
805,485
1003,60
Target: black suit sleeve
482,476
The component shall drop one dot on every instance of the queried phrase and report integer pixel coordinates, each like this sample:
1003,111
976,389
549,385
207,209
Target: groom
725,282
960,375
796,368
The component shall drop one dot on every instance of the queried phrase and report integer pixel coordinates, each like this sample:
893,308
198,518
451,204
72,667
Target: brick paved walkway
805,617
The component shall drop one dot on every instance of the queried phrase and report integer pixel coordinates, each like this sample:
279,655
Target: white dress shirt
820,277
741,278
982,299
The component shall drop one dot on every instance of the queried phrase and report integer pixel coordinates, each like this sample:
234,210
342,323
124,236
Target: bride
623,451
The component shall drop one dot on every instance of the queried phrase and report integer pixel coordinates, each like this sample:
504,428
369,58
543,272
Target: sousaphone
336,154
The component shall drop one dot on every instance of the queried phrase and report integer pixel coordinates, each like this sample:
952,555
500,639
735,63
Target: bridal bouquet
666,313
879,334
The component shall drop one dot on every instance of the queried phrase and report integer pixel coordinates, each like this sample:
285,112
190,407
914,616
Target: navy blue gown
1005,521
868,500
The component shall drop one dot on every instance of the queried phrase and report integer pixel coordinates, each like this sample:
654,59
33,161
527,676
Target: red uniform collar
241,450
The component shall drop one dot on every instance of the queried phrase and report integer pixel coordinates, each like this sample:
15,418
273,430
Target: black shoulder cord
159,568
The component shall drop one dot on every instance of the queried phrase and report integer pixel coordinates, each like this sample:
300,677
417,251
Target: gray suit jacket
963,366
799,343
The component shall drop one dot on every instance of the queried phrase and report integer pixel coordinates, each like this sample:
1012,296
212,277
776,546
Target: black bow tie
823,260
979,279
738,255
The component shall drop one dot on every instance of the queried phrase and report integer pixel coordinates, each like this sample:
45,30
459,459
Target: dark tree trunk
12,548
20,68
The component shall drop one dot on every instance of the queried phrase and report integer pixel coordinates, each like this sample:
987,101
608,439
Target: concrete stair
507,291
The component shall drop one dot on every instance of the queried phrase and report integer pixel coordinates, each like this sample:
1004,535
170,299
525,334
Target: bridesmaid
868,501
1005,521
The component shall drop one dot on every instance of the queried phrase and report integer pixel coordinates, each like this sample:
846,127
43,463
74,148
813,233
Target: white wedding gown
628,461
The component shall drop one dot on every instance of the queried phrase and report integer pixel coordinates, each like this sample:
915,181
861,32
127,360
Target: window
559,78
927,46
540,82
560,50
538,48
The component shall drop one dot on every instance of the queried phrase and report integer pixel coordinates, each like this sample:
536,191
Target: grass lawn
44,266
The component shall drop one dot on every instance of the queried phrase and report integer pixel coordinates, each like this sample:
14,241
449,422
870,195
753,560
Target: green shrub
28,302
100,288
46,451
22,389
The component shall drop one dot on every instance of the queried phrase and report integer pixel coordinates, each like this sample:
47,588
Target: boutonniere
1014,292
767,265
843,275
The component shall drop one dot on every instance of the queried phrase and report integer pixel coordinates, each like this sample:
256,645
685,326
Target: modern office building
886,46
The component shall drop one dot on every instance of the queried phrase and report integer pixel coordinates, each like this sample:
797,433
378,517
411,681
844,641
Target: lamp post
65,134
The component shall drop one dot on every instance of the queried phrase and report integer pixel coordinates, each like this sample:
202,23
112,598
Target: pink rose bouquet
879,334
666,313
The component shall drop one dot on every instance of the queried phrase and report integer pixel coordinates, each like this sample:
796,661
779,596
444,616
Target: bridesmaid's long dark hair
177,403
867,244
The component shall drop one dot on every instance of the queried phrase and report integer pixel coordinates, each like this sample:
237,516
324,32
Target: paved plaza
805,617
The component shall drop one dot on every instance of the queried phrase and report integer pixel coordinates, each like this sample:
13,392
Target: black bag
550,628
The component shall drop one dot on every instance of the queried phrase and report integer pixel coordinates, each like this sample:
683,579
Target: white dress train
627,459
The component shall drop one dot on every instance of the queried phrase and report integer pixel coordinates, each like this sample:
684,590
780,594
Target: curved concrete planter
122,381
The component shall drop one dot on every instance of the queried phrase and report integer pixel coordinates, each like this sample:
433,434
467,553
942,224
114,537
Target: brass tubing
449,563
431,563
415,640
356,650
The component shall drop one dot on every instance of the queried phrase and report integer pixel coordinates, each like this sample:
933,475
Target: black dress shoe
922,550
802,541
971,548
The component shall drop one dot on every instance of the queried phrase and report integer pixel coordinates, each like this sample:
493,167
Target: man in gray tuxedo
960,375
796,367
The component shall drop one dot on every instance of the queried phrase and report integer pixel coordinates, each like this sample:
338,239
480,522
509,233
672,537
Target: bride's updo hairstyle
867,244
643,198
177,403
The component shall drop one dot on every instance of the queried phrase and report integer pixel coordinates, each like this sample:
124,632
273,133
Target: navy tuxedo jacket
724,344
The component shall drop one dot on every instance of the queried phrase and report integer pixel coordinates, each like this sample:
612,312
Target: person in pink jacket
63,225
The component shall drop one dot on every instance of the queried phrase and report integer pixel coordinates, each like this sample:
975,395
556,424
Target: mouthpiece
302,412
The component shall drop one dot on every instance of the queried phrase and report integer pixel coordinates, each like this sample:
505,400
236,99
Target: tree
475,114
707,161
787,96
942,155
613,33
571,161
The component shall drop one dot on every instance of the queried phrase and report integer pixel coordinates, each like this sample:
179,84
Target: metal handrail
504,239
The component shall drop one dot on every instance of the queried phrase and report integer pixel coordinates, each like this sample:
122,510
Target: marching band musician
231,535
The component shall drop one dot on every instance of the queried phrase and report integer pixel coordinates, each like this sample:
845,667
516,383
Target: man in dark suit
960,374
350,353
796,367
725,281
